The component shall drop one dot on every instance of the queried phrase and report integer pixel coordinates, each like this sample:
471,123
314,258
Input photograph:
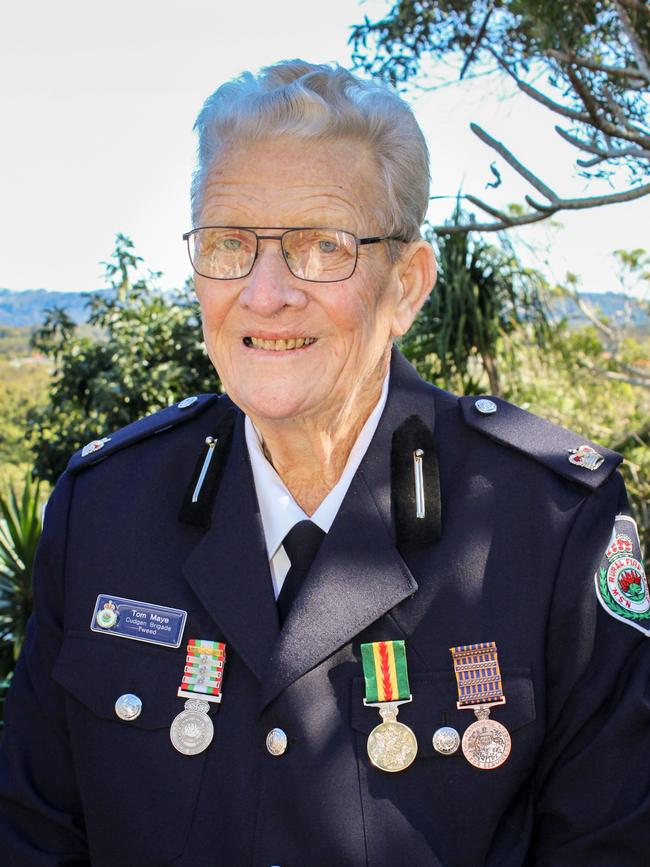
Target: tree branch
613,375
637,5
612,342
602,153
637,49
477,42
592,201
590,164
494,212
537,95
619,114
573,59
541,211
588,312
510,158
507,223
593,108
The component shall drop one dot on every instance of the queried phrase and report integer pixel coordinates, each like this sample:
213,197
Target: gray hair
319,102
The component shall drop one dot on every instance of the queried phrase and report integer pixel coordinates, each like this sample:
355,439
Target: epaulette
99,449
562,450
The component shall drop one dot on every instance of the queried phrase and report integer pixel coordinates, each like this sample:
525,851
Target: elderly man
335,616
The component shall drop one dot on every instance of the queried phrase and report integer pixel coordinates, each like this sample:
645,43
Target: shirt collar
278,509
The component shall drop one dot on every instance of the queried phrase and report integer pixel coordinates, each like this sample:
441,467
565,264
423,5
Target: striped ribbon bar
477,674
385,671
203,671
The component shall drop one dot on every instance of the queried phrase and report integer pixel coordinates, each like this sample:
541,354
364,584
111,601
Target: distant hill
616,306
26,309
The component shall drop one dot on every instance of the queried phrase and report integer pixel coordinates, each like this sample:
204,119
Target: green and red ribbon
385,671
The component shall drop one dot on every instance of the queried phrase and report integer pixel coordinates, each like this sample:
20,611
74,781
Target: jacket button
485,406
128,707
276,742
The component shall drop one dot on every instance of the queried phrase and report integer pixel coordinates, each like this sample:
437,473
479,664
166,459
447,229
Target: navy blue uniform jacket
523,532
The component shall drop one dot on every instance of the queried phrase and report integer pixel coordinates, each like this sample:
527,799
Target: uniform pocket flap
98,669
434,705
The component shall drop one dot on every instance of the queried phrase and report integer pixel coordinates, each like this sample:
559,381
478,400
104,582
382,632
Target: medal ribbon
477,674
203,670
385,671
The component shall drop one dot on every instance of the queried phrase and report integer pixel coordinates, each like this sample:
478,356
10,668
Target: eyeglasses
318,255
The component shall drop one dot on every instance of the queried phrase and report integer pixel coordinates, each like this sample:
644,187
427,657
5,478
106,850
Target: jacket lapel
229,570
358,574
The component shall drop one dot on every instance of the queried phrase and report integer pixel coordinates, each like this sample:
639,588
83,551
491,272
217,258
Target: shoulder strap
562,450
99,449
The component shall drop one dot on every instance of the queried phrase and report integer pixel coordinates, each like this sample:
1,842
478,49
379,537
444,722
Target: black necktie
301,544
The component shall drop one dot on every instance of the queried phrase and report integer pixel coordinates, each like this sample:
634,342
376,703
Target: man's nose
271,286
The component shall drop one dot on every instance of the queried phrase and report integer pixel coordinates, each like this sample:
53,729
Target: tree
594,59
483,293
144,351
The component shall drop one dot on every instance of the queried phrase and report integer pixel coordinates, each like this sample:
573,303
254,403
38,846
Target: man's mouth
279,345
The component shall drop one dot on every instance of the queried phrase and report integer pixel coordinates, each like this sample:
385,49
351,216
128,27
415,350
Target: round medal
192,731
446,740
392,746
486,744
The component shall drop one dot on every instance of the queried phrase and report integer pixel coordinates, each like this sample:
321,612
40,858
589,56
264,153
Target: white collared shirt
278,509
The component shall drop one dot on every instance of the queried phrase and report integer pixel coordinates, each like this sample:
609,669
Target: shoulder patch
562,450
621,583
99,449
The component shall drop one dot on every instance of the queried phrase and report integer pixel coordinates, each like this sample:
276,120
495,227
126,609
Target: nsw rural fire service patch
621,583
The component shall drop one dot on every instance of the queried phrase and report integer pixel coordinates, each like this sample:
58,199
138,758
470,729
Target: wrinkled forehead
285,181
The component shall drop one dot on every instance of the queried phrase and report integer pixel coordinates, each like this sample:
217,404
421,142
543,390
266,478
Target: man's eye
231,244
327,246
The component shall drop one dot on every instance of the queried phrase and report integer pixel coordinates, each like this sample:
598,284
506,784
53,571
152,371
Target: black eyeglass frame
359,242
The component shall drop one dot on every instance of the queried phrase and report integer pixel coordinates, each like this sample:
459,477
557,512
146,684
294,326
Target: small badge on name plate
140,621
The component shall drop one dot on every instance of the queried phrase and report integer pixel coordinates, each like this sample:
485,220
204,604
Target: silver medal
192,731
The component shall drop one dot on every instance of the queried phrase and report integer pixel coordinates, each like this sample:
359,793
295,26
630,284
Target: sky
97,104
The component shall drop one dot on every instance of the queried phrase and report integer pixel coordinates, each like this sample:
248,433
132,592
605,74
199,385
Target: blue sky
98,100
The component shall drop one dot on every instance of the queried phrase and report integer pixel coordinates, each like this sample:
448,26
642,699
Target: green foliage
149,353
483,292
20,530
23,387
568,384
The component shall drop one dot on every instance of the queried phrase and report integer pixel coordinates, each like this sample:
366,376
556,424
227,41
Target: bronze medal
486,743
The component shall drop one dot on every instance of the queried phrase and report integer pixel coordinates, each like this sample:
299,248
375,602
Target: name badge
140,621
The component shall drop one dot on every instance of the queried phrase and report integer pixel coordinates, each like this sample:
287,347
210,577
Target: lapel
356,578
358,574
229,570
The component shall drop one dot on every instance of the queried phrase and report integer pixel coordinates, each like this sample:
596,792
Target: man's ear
417,273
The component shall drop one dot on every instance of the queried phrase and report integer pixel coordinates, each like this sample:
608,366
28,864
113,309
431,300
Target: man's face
350,324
